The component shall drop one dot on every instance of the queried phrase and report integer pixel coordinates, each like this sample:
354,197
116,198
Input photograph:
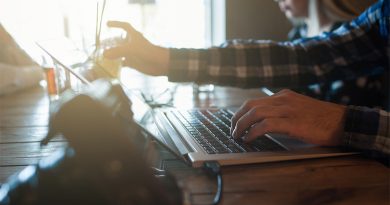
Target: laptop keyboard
211,130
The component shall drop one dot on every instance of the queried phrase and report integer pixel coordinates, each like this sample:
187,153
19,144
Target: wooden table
341,180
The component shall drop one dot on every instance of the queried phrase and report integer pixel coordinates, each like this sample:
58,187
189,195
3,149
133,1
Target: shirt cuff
361,127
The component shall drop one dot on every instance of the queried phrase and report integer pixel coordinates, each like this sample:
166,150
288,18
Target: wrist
162,60
339,137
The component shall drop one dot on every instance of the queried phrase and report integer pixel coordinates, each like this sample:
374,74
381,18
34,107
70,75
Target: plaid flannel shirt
359,48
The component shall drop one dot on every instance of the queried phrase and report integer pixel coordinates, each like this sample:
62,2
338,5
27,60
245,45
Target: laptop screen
65,54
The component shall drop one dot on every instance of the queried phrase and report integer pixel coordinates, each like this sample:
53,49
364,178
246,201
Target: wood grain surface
340,180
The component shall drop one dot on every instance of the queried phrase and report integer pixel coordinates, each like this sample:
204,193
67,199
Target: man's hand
287,112
139,53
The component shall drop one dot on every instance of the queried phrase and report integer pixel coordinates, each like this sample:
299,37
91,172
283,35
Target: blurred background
174,23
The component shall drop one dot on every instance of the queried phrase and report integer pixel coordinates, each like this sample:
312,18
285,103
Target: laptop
198,135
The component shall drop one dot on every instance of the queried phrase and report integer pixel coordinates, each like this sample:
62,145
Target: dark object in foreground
103,163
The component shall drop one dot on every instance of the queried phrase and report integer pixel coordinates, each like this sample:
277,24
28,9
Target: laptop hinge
174,137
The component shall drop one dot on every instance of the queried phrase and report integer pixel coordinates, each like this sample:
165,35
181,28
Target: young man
361,47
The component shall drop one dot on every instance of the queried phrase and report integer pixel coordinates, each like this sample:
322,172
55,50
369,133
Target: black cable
213,169
218,194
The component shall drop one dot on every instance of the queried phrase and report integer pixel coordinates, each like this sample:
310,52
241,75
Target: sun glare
176,23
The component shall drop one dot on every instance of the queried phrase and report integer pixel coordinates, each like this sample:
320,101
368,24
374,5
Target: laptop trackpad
290,143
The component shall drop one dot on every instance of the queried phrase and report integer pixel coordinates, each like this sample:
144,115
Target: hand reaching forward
139,53
287,112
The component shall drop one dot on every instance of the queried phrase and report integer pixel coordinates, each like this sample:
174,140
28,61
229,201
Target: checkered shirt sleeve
367,129
358,48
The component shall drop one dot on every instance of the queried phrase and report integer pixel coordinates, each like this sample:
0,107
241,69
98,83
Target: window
174,23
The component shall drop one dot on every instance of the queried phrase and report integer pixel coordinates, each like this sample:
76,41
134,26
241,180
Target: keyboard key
211,129
209,150
235,150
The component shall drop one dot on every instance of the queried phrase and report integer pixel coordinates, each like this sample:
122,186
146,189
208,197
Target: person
358,48
18,70
312,17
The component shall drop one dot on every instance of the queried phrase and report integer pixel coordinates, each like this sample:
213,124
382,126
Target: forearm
367,129
357,49
240,65
269,63
10,52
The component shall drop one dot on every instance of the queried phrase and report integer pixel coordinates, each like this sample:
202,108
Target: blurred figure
311,18
103,162
18,70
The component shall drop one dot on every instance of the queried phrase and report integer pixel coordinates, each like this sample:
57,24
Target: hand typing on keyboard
211,130
305,118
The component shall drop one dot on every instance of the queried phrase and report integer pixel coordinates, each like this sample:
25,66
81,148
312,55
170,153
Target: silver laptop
199,135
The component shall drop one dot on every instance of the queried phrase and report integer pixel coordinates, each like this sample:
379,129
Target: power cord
213,169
